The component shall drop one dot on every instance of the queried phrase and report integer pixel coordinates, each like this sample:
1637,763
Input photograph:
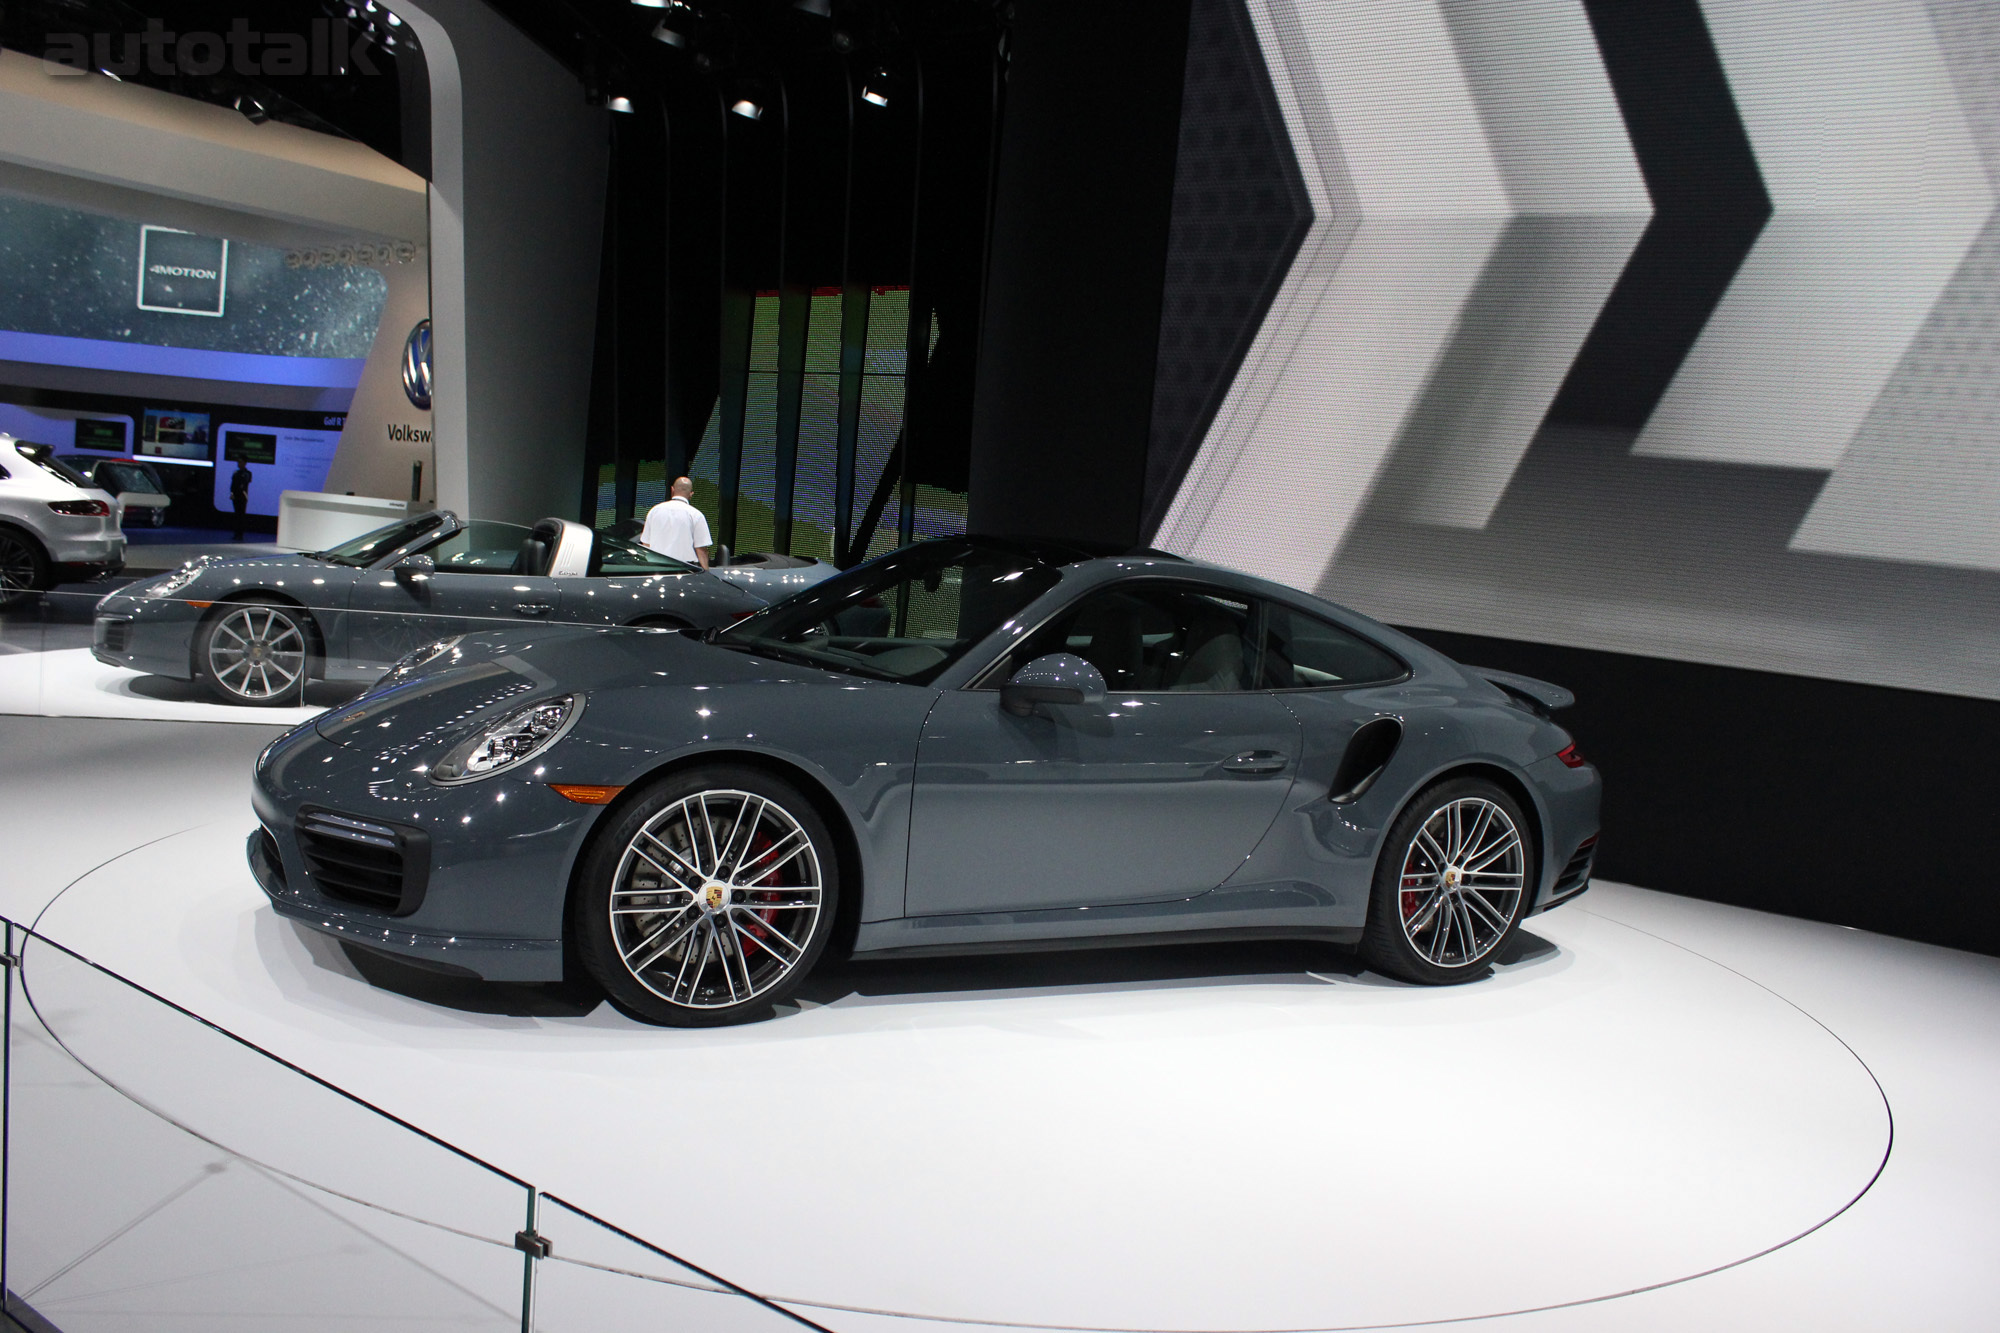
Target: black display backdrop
1854,804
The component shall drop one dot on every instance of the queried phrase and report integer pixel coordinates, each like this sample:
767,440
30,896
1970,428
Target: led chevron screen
1667,328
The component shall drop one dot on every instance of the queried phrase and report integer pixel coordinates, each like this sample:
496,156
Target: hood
486,672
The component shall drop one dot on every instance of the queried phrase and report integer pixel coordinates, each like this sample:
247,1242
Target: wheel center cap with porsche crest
716,896
1452,877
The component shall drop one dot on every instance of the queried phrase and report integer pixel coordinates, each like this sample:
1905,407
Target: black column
1071,331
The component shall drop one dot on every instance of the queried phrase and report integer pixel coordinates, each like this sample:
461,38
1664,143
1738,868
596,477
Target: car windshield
369,547
905,616
129,477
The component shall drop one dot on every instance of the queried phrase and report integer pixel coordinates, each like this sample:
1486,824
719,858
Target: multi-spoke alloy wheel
255,653
708,900
23,569
1452,885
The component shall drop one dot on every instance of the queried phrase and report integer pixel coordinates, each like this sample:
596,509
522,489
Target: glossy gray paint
772,582
366,619
972,828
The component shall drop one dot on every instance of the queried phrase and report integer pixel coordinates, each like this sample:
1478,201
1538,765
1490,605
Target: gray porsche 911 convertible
966,745
255,629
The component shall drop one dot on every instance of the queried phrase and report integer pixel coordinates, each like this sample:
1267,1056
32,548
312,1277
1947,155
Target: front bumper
497,856
150,634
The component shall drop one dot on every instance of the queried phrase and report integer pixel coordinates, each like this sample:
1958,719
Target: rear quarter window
1304,652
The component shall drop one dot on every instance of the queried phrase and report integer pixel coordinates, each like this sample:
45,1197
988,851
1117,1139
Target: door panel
1142,798
474,587
395,617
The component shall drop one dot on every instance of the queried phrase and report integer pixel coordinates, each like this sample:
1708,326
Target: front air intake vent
270,867
114,636
364,861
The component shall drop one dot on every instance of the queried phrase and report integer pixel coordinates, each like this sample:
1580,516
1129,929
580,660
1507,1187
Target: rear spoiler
1539,695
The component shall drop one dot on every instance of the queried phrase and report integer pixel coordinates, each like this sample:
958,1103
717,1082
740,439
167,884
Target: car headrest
532,558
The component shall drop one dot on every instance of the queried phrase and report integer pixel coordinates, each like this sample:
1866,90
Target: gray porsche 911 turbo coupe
964,746
967,745
255,629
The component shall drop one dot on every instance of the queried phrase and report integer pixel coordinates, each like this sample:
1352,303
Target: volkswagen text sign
181,273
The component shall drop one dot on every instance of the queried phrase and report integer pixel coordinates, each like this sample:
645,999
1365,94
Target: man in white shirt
676,528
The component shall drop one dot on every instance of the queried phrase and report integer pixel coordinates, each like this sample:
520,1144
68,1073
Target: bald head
683,487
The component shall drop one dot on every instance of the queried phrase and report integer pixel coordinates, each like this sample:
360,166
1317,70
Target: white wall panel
1877,191
1446,192
1921,480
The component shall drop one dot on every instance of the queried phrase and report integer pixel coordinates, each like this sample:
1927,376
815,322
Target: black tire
227,659
24,567
1453,881
726,942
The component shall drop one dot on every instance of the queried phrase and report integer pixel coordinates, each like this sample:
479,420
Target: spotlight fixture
748,109
819,8
875,92
650,4
671,36
623,104
252,110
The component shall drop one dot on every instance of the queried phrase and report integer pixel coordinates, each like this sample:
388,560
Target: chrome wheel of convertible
718,903
255,653
1452,885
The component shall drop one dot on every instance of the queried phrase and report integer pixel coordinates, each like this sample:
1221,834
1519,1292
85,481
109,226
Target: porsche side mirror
1059,678
414,568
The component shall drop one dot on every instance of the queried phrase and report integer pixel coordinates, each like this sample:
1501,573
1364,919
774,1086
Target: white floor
69,682
1666,1114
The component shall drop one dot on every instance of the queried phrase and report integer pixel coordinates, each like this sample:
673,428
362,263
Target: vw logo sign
417,365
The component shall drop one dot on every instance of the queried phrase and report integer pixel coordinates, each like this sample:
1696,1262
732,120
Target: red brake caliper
759,844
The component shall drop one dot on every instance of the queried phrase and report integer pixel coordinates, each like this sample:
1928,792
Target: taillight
81,508
1570,756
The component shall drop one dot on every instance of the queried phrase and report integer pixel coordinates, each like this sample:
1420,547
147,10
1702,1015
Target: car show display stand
316,520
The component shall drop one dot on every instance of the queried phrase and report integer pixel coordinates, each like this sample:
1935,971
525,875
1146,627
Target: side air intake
1368,753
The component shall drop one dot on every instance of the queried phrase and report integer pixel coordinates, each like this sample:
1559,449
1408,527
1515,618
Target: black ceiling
614,47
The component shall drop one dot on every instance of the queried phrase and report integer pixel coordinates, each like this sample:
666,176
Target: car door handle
534,608
1253,762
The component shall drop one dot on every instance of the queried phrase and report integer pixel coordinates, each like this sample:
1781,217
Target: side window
1153,637
613,557
1303,652
479,548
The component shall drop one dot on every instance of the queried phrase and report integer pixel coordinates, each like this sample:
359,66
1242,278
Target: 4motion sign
182,273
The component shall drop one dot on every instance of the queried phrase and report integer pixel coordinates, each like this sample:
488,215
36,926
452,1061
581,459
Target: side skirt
1345,935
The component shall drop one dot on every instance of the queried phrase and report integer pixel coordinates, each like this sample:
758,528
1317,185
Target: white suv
55,527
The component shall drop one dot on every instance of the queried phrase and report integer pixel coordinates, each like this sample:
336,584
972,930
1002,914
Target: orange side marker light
583,795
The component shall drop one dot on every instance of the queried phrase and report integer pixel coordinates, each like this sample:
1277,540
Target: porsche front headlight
409,662
513,740
174,582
